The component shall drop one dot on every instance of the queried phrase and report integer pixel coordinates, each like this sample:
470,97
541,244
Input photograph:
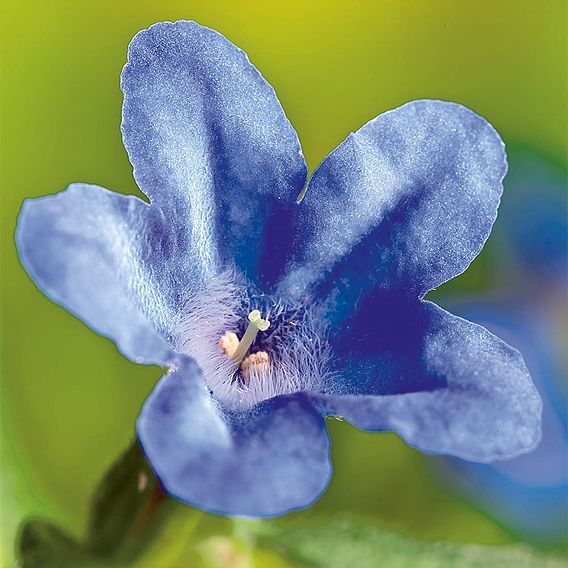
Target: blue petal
532,218
97,254
528,494
211,145
262,463
463,391
404,204
538,513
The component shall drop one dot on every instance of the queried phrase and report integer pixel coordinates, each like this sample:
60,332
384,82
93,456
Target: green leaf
345,543
132,523
123,505
41,544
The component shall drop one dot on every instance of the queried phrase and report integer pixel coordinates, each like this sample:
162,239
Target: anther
255,364
228,343
256,324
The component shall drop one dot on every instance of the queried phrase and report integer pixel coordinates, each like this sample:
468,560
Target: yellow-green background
69,400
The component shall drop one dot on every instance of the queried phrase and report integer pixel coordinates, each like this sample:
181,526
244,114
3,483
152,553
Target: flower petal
464,392
266,462
528,494
210,143
405,203
532,218
99,255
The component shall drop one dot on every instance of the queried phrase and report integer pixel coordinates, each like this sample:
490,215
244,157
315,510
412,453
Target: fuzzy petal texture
266,462
473,396
211,146
403,204
99,255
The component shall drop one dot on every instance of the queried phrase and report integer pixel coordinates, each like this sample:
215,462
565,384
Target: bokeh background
69,400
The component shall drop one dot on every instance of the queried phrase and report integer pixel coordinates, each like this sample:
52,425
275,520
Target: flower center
229,344
240,365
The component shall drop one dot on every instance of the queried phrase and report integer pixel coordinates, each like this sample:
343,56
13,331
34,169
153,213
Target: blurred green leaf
345,543
124,502
43,545
125,515
132,523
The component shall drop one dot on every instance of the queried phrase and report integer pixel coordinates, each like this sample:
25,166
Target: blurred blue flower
530,493
273,312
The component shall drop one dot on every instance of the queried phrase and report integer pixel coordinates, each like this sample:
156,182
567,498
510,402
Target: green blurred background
69,400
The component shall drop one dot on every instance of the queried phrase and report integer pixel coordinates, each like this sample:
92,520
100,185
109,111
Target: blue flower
272,312
529,494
